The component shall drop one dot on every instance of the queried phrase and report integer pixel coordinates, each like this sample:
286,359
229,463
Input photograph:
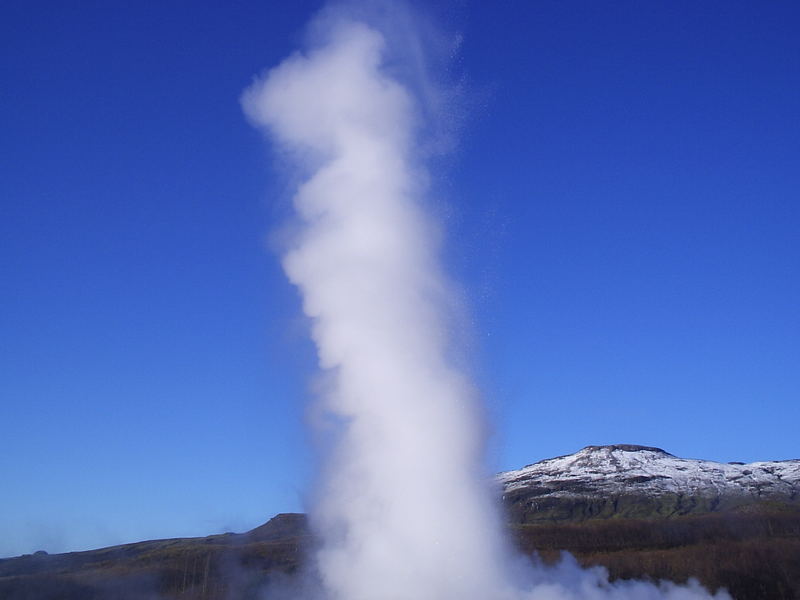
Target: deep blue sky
622,213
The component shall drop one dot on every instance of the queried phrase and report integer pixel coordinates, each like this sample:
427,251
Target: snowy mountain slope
640,481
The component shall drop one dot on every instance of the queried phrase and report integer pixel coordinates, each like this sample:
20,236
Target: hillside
639,511
642,482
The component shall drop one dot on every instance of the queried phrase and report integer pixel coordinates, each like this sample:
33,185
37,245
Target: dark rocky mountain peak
280,526
625,448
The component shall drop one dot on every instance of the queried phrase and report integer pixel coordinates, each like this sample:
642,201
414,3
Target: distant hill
642,482
637,510
215,567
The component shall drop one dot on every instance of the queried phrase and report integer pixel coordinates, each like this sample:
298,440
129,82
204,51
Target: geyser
404,511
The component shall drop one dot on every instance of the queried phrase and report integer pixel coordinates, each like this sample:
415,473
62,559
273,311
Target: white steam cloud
404,512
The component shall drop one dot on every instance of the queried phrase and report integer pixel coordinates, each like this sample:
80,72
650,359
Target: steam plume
403,513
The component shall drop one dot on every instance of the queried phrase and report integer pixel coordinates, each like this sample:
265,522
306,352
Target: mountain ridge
643,482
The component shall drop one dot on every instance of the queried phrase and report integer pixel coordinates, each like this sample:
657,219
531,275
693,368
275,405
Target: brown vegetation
753,552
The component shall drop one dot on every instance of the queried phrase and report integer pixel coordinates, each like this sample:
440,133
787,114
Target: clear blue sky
622,212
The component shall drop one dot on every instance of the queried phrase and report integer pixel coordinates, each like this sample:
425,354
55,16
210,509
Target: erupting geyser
404,512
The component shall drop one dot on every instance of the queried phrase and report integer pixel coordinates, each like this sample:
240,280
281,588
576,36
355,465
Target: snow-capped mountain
640,481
